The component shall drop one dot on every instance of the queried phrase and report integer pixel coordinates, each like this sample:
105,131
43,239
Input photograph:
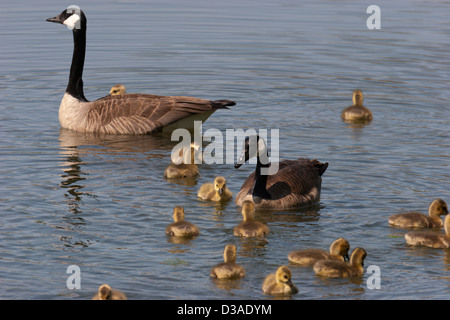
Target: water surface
102,203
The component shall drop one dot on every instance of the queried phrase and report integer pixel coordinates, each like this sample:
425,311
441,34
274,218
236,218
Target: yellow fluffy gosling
181,228
228,269
341,269
416,219
105,292
249,227
357,112
279,283
307,257
430,238
118,89
216,191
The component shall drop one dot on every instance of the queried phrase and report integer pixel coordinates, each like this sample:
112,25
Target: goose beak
220,191
237,165
56,19
346,258
241,160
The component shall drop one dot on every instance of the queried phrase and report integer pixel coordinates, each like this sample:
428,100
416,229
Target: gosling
105,292
437,208
249,227
308,257
429,238
357,112
117,90
279,283
215,192
186,169
228,269
181,228
340,269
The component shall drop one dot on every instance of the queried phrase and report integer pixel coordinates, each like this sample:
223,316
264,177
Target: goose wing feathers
144,113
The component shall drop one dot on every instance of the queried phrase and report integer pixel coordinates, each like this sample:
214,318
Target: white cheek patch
73,22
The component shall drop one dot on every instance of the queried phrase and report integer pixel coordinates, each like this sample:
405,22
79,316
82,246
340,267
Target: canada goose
118,89
342,269
430,238
186,169
357,112
181,228
216,191
307,257
105,292
437,208
228,269
279,283
249,227
121,114
296,183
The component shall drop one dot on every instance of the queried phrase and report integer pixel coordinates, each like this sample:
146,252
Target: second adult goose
297,183
121,114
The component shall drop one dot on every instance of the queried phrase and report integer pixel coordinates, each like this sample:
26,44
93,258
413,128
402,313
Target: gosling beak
346,258
220,191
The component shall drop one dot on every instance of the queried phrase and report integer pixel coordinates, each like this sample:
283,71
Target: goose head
118,90
254,146
358,97
72,17
220,185
358,256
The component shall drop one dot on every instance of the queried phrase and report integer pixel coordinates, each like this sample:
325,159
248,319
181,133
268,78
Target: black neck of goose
259,186
75,85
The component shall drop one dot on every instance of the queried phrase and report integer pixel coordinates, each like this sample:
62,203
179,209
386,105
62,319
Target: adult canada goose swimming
105,292
121,114
307,257
180,227
118,89
279,283
216,191
296,183
341,269
228,269
249,227
437,208
430,238
357,112
187,168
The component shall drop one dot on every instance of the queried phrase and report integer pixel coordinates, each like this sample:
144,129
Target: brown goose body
125,113
297,183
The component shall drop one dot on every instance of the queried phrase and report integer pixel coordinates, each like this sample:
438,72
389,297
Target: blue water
102,203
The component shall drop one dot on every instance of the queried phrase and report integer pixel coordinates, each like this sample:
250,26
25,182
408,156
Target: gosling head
340,247
104,292
438,207
248,210
178,214
220,185
358,97
118,90
358,256
283,276
229,254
